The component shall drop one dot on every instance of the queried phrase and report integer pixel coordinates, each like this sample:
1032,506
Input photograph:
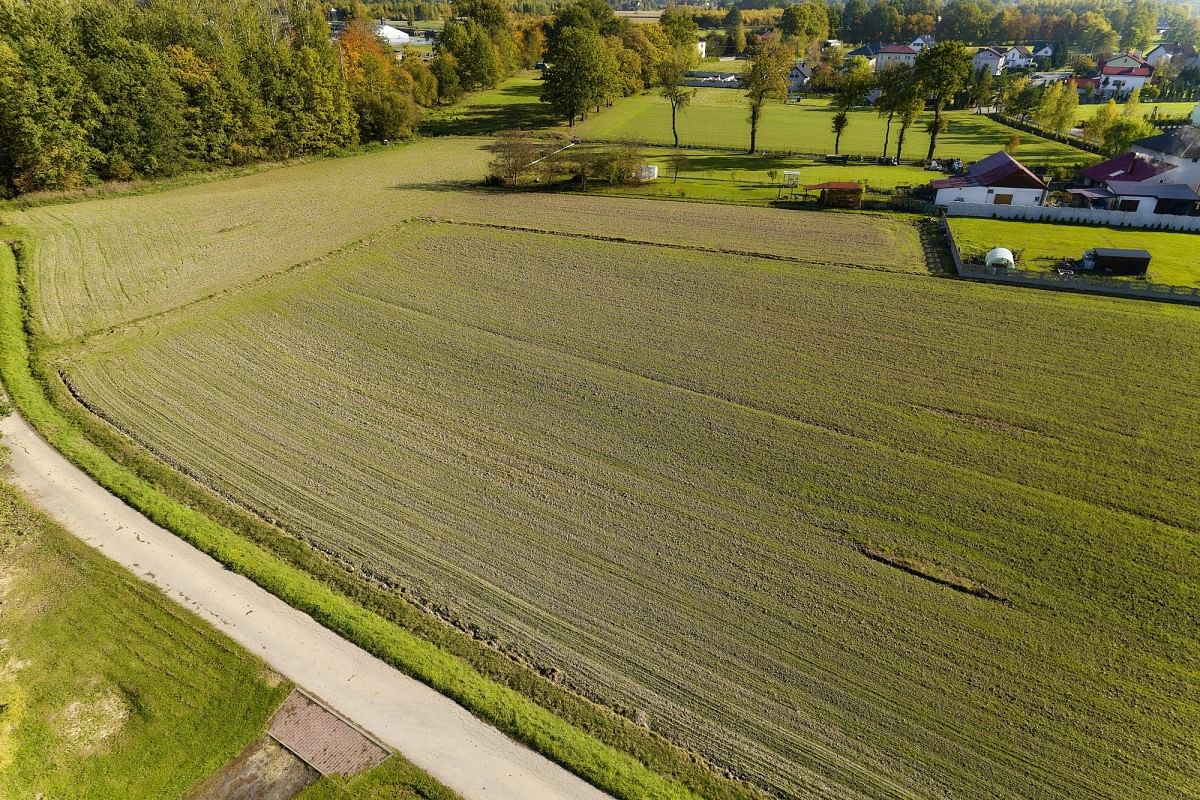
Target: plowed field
849,531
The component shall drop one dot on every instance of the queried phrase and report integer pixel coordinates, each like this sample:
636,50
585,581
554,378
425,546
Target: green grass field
107,688
394,779
1040,246
1167,110
741,178
579,428
717,118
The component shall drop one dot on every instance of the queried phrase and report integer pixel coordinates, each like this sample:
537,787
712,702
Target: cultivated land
731,494
1041,246
108,689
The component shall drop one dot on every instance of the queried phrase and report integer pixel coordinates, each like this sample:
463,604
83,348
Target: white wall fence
1078,216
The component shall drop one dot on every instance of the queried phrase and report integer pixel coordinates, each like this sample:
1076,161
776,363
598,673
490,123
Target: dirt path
436,734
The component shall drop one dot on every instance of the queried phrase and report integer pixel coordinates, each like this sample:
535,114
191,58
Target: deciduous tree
766,80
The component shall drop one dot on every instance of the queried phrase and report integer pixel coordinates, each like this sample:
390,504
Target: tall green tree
579,74
942,71
841,121
897,90
679,26
669,80
908,113
766,80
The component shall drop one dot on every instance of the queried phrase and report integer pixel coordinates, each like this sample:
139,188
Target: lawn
737,177
717,118
1040,246
711,465
1167,110
394,779
107,688
514,105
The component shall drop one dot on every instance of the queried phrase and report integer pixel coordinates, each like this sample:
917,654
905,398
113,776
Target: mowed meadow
751,475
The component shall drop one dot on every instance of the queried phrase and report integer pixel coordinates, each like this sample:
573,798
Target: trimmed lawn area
742,178
1168,110
717,118
107,688
1040,246
513,104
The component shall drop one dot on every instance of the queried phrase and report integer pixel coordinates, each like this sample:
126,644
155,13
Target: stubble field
852,532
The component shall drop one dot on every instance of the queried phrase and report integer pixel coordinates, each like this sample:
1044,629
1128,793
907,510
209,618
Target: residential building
998,179
1182,55
990,59
921,42
798,77
1133,197
1129,167
702,48
1121,74
1179,147
895,54
1018,57
1043,51
868,51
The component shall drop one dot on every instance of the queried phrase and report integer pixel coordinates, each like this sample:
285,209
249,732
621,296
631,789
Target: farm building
998,179
838,194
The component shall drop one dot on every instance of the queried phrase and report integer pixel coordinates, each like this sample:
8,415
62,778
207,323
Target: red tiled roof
899,48
850,186
1127,167
989,172
1131,72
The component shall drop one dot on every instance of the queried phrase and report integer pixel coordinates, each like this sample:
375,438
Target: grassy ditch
606,749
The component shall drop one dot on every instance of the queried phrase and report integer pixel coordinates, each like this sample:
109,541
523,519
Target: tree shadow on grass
518,107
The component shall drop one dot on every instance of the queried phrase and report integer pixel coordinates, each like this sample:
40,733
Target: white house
1182,54
798,77
1179,147
1043,51
394,37
921,42
1018,57
990,59
702,48
1120,75
894,54
998,180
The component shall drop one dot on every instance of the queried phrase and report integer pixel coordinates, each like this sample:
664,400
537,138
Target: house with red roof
1121,74
894,54
998,180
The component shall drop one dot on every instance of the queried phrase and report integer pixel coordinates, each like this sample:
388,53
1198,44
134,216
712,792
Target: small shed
1118,261
839,194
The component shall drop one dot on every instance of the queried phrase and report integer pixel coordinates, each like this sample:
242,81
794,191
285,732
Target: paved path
438,735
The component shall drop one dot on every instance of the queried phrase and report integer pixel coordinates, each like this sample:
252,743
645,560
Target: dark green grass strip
603,747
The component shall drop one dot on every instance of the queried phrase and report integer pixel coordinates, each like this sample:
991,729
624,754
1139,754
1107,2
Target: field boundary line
726,251
605,766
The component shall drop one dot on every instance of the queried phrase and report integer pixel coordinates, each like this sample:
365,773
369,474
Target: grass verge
394,779
603,747
107,688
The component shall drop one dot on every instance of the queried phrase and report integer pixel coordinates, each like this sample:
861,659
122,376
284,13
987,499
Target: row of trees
120,89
